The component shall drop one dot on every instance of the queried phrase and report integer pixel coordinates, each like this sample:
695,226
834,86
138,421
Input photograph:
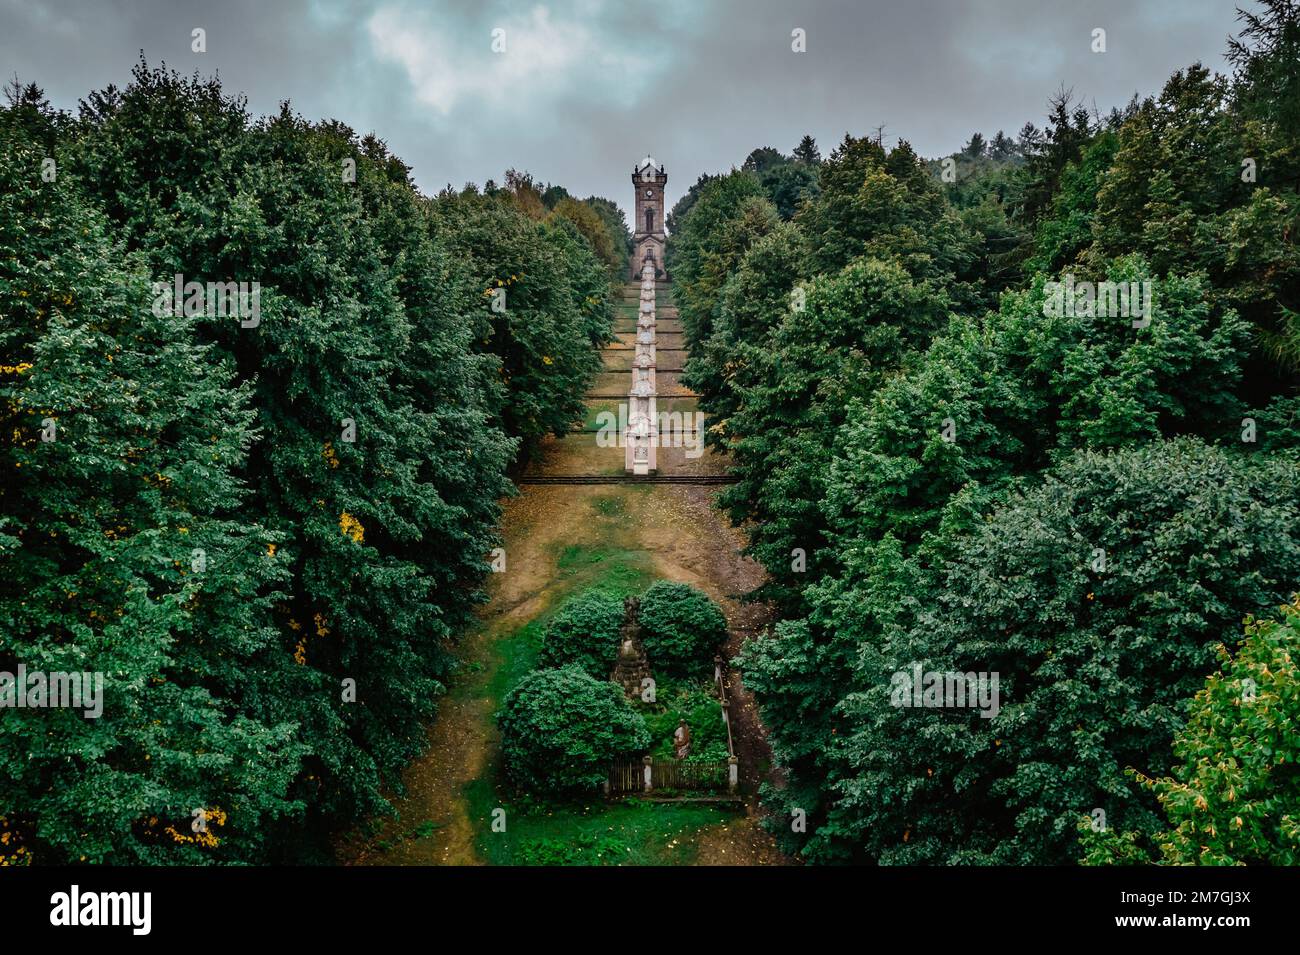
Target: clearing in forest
560,540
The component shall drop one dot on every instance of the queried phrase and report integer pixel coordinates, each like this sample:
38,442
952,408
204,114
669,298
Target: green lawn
629,832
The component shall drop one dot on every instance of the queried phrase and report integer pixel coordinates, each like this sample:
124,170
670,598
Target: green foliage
1234,795
1063,235
324,559
544,335
696,704
681,628
923,478
595,230
885,205
807,152
1048,154
1266,83
385,536
1095,660
584,632
681,208
986,189
754,297
787,181
1172,183
1022,389
729,215
121,556
27,115
779,356
615,226
854,330
561,728
1278,425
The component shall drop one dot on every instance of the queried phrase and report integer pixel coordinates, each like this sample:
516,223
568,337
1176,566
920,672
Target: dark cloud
584,88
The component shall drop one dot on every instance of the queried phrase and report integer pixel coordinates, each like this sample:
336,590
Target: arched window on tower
649,220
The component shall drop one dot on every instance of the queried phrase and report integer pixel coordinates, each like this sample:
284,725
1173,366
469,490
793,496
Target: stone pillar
733,774
652,443
645,762
641,445
643,369
631,666
645,343
640,454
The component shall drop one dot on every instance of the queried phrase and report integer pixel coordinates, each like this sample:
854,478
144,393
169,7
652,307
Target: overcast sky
585,88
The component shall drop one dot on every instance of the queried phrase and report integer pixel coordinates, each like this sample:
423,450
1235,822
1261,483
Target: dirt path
742,842
680,534
462,737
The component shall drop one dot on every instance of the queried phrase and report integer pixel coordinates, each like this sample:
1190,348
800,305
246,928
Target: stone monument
631,666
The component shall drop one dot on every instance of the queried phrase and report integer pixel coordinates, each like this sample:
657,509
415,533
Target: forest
940,467
1013,434
266,534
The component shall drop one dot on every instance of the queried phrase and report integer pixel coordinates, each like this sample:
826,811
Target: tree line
265,532
942,469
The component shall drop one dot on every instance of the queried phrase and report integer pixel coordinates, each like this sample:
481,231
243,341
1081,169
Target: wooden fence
651,773
625,777
680,774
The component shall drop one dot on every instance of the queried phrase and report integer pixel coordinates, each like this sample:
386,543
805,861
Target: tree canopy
946,460
262,527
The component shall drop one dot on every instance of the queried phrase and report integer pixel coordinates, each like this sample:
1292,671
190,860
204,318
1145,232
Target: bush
584,633
1234,797
681,628
561,728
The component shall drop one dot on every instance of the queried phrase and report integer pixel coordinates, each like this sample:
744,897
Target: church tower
648,236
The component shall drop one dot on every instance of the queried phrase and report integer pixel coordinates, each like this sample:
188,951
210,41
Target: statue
682,740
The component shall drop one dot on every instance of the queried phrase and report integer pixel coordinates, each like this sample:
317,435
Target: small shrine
631,666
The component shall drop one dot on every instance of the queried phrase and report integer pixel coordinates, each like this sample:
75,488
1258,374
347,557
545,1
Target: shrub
681,628
1234,797
584,633
560,729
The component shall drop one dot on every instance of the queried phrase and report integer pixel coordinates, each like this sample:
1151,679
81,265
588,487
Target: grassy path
559,540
